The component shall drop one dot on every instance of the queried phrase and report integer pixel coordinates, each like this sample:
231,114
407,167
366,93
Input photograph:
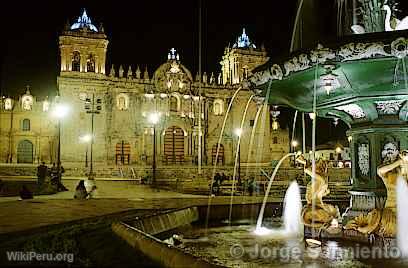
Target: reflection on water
238,246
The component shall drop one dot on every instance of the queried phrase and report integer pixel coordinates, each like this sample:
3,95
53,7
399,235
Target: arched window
275,140
90,63
25,126
8,104
173,104
76,62
218,107
27,102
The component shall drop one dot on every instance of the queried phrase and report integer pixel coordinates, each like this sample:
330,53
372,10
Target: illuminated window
90,64
25,126
76,62
27,102
8,104
218,107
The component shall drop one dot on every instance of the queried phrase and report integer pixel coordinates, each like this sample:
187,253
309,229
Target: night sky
140,33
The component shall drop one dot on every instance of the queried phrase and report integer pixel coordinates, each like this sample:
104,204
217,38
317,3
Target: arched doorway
122,153
220,154
25,152
174,145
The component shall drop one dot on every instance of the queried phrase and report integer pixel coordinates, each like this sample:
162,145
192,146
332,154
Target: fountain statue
383,222
317,214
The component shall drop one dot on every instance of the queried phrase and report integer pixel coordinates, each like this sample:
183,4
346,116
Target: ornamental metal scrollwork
364,159
297,64
390,107
359,51
399,48
352,109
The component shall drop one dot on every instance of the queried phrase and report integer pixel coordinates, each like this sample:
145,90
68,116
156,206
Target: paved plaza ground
113,197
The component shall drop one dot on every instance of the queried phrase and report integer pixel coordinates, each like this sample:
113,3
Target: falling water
294,126
236,157
217,154
292,209
402,218
261,212
251,140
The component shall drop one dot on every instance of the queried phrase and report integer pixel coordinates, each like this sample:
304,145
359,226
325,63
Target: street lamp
154,119
60,111
86,139
92,106
238,133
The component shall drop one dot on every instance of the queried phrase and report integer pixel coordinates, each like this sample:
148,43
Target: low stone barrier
167,221
158,251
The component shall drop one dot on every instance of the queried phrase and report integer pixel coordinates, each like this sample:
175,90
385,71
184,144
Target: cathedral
127,114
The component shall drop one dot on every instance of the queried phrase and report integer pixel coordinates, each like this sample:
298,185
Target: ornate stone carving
363,154
352,109
359,51
389,107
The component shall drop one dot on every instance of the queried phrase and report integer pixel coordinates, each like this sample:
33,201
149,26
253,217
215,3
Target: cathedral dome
84,22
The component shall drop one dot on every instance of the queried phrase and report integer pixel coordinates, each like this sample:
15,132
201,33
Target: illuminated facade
27,130
129,94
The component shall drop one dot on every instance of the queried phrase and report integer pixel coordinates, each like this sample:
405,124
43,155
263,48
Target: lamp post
60,111
92,106
154,119
238,133
86,139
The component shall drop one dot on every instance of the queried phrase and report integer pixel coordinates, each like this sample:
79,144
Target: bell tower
83,47
239,61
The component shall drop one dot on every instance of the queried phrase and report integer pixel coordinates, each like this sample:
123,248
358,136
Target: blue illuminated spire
84,22
243,41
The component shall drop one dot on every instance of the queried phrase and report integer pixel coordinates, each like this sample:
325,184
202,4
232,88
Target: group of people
216,185
55,174
249,185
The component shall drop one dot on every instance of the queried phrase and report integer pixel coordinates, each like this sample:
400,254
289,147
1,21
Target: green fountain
360,79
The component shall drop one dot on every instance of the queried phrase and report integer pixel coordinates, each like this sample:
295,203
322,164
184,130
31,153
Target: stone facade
28,130
189,107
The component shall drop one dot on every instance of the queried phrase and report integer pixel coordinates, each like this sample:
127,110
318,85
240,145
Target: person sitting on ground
80,191
25,193
92,193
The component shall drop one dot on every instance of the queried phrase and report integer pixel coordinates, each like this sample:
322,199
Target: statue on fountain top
316,213
383,223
